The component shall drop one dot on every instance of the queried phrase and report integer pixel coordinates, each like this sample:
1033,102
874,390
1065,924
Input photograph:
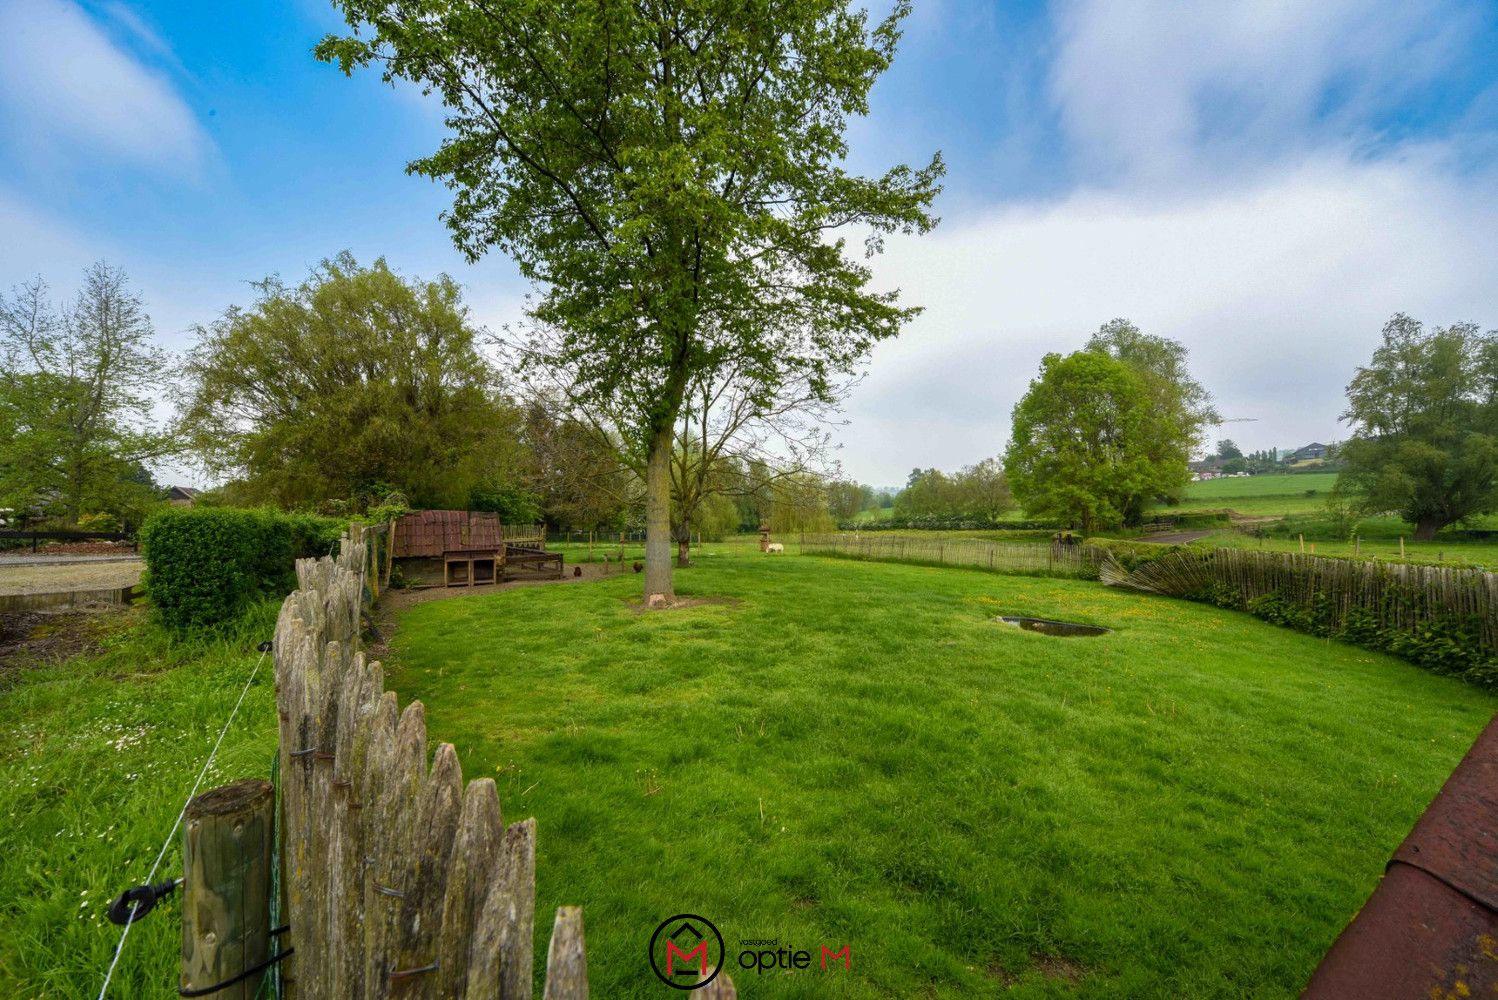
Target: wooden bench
471,559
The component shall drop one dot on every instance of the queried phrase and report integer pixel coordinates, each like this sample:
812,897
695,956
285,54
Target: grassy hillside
1276,494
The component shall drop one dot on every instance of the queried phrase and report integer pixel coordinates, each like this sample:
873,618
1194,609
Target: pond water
1047,627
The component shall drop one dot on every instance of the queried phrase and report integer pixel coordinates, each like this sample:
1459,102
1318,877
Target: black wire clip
137,901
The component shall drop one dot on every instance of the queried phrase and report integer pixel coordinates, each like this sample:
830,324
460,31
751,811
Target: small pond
1047,627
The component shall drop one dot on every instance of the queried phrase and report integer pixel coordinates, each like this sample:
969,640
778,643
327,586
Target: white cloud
67,90
33,243
1157,91
1278,289
1246,193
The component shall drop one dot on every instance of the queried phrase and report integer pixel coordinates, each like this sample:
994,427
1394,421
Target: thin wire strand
120,948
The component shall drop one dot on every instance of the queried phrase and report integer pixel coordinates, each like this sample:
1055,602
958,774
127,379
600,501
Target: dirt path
1176,537
30,637
60,577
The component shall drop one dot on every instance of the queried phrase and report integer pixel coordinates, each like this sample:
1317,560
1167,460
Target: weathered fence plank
396,880
474,861
566,960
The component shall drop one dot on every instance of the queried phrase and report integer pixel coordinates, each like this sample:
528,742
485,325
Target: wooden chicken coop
474,548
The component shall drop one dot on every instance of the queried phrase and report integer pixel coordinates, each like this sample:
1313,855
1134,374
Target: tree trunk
1426,528
684,544
658,516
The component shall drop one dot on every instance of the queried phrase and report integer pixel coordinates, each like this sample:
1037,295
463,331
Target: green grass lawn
848,753
96,758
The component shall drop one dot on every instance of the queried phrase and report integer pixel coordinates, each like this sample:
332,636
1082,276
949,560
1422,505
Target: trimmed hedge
206,565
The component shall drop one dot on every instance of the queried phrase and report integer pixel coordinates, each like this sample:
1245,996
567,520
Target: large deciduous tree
1424,412
354,380
1180,408
672,176
1082,447
78,385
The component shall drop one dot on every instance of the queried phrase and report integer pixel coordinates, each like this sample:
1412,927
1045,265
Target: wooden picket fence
1398,596
396,879
1038,558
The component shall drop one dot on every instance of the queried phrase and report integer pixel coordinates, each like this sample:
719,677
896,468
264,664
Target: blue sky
1266,182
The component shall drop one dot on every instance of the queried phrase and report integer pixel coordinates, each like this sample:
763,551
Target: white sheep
773,548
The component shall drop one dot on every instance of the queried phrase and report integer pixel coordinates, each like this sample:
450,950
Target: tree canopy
1180,408
1227,450
1424,412
1082,449
979,492
672,175
78,385
353,380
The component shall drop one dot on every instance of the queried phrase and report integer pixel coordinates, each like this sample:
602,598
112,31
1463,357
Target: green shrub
513,505
205,566
1130,554
99,522
1203,519
1447,644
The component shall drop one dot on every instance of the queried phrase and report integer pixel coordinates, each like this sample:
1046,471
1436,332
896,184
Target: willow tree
1424,412
355,381
1082,445
1180,408
672,175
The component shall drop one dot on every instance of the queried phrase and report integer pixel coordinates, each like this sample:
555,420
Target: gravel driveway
17,577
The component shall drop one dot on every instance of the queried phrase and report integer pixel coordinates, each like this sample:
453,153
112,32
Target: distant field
1265,495
1275,485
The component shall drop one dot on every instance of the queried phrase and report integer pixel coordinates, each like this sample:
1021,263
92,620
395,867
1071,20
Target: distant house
1315,450
181,496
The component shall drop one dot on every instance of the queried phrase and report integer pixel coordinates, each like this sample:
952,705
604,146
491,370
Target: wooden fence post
373,569
226,893
390,552
566,959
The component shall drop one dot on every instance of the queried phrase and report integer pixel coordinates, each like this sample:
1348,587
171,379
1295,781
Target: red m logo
847,960
673,953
